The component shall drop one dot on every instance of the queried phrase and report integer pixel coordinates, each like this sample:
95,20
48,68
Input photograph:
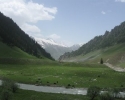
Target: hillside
111,42
54,48
13,52
13,36
114,55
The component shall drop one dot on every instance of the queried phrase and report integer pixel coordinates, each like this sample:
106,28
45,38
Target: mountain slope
13,52
110,39
12,35
55,49
114,55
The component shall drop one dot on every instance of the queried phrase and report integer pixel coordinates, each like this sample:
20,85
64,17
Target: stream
48,89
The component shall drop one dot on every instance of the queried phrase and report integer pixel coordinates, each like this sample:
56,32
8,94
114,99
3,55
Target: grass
13,52
14,55
79,75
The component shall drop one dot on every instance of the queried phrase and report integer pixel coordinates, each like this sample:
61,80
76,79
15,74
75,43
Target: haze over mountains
54,48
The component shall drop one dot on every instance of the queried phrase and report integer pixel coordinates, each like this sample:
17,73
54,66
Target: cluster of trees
12,35
115,36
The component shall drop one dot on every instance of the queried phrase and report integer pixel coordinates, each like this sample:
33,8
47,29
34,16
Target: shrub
9,85
14,87
93,92
6,95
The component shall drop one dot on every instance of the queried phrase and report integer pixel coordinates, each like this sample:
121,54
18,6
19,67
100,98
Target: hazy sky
67,21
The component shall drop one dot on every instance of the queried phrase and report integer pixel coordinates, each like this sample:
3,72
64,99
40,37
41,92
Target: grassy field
62,74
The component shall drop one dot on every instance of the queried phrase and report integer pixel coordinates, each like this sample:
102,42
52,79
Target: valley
23,59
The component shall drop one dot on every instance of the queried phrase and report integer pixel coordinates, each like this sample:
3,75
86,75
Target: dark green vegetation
63,74
13,36
115,37
93,92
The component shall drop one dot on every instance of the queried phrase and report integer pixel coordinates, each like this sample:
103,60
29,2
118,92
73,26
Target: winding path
115,68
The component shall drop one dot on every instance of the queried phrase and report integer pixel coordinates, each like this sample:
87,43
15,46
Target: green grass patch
77,74
13,52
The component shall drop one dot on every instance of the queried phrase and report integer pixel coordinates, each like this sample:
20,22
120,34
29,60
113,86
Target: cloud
103,12
30,28
59,40
54,36
27,14
120,0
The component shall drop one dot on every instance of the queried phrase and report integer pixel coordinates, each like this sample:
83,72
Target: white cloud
54,36
27,14
59,40
30,28
103,12
120,0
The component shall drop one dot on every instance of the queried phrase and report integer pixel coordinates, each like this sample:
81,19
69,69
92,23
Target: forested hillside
12,35
115,36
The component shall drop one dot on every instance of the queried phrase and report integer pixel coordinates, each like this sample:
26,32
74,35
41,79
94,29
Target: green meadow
63,74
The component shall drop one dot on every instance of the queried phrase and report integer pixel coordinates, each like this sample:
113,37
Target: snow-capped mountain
54,48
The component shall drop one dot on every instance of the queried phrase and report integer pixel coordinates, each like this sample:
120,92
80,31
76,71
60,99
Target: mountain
54,48
13,36
103,43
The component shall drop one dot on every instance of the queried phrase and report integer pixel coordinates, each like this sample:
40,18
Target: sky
65,21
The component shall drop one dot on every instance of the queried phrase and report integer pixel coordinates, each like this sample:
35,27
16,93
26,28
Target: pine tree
101,61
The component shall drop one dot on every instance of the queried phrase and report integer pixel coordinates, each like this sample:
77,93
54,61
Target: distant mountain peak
54,48
49,41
